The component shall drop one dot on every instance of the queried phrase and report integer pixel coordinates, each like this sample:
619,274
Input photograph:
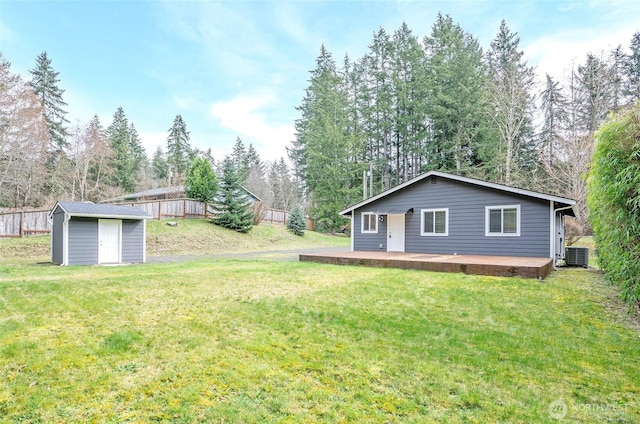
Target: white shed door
395,233
109,240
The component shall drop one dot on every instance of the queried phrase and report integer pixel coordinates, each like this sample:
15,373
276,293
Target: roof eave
473,181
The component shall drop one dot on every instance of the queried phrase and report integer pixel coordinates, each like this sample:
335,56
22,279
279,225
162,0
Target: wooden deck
503,266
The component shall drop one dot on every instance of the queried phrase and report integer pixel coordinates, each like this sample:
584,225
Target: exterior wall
466,204
133,241
57,237
83,241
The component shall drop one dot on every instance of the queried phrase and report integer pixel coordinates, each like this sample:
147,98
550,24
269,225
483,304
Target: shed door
395,233
109,231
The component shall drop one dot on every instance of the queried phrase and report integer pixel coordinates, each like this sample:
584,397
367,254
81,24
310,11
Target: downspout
65,239
352,232
553,230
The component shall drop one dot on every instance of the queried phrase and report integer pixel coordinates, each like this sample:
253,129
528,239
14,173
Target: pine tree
240,160
510,109
555,116
45,85
456,97
326,148
202,182
159,165
296,222
178,149
128,152
233,206
632,70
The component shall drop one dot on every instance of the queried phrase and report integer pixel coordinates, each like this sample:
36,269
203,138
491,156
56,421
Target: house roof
564,202
160,191
94,210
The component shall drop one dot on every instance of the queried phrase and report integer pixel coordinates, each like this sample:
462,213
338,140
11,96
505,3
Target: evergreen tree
555,116
233,206
296,222
202,182
240,160
632,70
456,97
409,87
327,149
128,152
178,150
45,85
595,89
159,165
510,109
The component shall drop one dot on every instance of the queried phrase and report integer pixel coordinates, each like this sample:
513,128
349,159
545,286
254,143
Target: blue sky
239,68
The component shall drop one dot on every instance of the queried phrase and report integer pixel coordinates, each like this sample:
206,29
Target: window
502,220
369,222
434,222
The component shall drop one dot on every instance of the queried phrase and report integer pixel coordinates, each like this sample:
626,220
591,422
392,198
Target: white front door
395,233
559,236
109,231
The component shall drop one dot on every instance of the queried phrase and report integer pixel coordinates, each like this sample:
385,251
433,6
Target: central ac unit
577,256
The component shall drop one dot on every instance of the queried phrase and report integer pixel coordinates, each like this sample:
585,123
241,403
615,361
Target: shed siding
83,241
132,241
466,204
57,237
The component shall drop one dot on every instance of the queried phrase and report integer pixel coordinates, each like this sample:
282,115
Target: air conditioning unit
577,256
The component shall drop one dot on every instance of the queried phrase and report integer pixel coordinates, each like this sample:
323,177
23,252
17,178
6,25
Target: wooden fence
36,222
24,223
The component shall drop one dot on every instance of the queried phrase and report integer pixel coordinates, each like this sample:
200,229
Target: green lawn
259,341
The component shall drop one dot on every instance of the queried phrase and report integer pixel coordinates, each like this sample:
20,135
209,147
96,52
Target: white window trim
362,230
446,222
487,209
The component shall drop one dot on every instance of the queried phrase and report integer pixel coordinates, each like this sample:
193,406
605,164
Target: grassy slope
190,237
258,341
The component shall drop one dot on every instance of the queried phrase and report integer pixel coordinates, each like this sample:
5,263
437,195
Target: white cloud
555,54
246,116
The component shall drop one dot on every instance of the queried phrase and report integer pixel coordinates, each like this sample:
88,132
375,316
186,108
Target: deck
502,266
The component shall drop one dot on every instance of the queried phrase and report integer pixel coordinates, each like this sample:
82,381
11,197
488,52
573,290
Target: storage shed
89,234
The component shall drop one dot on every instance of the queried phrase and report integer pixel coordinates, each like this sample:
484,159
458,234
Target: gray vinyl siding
132,241
466,203
83,241
57,237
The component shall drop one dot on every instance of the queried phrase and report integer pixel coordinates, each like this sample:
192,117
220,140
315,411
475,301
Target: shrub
296,222
614,200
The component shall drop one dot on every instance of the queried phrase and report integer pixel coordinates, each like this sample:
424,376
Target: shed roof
563,202
94,210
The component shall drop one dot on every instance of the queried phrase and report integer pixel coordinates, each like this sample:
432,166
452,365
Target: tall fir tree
456,97
128,152
202,182
178,150
44,82
233,207
159,165
554,112
328,150
511,107
632,70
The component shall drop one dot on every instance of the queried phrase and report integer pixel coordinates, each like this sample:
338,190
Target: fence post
184,208
21,224
159,209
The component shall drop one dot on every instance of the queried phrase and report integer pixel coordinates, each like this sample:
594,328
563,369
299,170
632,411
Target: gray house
441,213
88,234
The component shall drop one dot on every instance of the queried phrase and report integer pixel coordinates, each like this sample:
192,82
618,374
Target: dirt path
274,255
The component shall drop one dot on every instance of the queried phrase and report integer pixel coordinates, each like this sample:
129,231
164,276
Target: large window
369,222
502,220
434,222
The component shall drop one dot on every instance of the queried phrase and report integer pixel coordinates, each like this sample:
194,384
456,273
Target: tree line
411,105
43,158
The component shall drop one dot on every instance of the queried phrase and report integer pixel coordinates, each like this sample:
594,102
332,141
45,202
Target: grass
189,237
265,341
